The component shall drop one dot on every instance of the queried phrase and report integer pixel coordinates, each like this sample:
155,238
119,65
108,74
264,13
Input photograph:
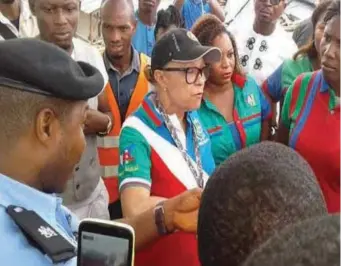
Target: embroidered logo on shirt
244,60
258,64
251,100
199,132
46,231
250,43
127,160
263,46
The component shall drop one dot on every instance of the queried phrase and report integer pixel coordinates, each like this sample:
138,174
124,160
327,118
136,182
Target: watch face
160,220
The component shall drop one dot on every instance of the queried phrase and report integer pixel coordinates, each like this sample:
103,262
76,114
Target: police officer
43,106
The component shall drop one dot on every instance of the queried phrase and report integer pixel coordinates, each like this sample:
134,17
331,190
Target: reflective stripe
110,171
108,142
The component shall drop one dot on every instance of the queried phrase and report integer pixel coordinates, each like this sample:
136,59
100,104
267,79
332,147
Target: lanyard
197,172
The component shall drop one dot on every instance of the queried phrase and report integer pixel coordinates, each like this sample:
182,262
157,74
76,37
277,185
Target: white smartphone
105,243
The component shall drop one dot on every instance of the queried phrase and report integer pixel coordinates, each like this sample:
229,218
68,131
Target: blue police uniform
39,68
48,207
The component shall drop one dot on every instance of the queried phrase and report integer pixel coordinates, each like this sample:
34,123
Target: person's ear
47,126
134,25
160,78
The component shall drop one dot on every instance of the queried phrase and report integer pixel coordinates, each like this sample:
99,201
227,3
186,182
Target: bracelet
159,216
274,129
109,127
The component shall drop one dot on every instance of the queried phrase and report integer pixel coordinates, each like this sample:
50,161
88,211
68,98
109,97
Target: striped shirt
311,113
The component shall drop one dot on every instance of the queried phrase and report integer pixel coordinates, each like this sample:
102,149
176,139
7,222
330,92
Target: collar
324,85
25,13
238,80
208,104
139,21
135,62
153,114
15,193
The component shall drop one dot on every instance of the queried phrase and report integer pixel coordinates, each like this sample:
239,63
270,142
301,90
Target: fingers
189,200
186,222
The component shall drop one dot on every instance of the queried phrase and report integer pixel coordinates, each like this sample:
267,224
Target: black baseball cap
180,45
39,67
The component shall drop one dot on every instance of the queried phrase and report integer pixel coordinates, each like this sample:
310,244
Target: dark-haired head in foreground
315,242
252,195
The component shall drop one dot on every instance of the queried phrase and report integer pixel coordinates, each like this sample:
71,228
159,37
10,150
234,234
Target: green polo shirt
251,108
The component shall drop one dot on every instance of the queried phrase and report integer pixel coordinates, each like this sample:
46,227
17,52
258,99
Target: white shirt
83,51
246,12
261,55
27,23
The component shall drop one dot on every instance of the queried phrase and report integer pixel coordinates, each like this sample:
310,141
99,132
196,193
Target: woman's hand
181,212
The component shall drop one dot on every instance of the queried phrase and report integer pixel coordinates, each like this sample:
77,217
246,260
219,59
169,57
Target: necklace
197,172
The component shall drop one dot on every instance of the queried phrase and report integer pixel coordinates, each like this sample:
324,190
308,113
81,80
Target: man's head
118,27
43,102
253,194
268,11
57,21
148,6
314,242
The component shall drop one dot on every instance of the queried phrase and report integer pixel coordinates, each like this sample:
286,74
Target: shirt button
332,112
77,186
77,168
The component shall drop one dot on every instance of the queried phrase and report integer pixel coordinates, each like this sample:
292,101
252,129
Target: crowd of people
214,126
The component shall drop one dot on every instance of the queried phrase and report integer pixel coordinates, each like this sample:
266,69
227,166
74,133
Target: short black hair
119,4
314,242
168,17
253,194
19,109
332,11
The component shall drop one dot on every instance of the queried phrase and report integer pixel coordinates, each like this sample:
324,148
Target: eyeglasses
273,2
191,73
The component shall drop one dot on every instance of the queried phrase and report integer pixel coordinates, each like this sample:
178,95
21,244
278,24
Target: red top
311,113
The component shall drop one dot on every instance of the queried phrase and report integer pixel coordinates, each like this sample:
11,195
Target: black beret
40,67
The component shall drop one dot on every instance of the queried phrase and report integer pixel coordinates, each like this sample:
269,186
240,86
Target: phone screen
103,250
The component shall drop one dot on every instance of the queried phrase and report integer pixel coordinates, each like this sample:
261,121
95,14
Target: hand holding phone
105,243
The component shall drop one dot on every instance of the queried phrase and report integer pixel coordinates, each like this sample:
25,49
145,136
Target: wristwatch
109,127
159,217
274,129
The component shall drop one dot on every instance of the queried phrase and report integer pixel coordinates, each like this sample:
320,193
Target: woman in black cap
164,149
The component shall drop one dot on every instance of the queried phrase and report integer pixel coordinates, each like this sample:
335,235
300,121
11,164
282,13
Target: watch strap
159,214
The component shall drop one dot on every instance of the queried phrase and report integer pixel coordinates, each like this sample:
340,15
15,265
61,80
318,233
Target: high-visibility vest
108,146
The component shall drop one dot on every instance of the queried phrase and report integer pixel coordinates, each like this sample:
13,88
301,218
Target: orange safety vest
108,146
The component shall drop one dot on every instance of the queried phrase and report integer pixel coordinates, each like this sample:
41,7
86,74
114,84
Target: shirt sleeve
135,163
265,106
272,86
285,115
207,9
